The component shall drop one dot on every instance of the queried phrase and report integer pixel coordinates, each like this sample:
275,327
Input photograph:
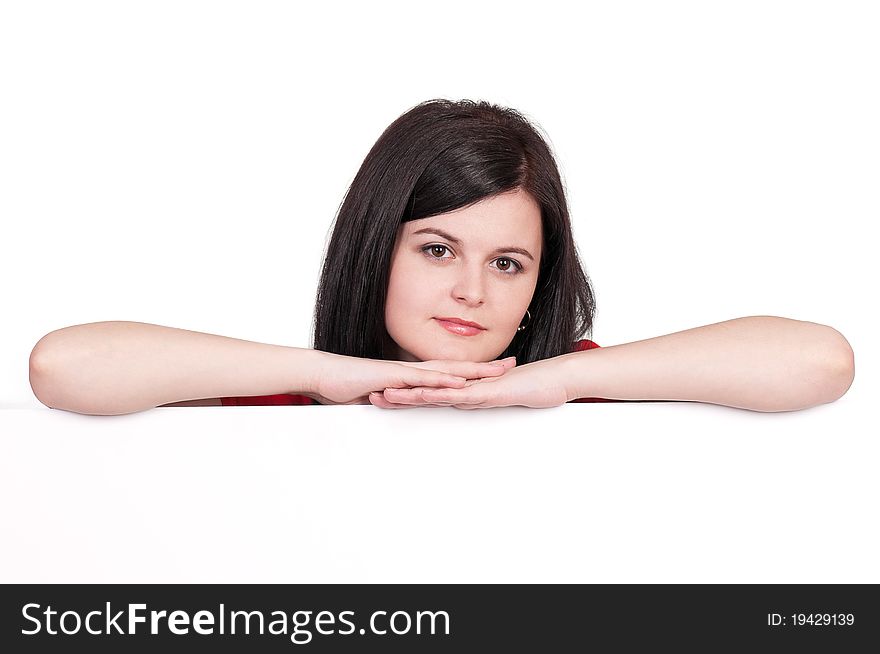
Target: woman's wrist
574,375
304,366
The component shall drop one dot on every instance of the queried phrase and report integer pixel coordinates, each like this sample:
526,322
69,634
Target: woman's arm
111,368
762,363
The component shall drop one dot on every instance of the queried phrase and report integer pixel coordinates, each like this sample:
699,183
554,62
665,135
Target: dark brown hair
438,157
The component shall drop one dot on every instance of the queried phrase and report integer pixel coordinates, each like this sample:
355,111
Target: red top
270,400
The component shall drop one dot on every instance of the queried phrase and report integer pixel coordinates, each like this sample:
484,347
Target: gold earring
522,327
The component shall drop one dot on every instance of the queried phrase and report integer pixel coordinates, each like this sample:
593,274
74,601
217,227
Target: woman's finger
377,399
431,378
452,374
468,369
441,396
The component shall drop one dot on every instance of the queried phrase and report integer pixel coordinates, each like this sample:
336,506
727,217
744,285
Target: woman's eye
505,265
508,266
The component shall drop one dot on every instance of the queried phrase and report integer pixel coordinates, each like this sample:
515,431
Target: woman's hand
350,380
539,385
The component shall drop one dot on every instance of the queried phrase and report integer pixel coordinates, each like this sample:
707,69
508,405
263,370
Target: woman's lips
461,330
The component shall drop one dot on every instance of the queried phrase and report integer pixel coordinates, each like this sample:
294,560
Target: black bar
509,617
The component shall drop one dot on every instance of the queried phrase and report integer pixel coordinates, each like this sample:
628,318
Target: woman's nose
470,285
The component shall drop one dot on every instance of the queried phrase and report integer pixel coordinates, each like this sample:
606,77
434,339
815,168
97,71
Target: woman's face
478,264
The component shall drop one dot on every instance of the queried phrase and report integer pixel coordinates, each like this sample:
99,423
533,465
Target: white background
588,493
180,163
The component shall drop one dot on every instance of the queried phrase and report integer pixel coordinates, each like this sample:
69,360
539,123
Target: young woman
451,279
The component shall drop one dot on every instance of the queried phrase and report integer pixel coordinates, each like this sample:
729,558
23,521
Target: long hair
438,157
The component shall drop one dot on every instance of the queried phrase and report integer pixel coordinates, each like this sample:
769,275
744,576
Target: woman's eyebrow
450,237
